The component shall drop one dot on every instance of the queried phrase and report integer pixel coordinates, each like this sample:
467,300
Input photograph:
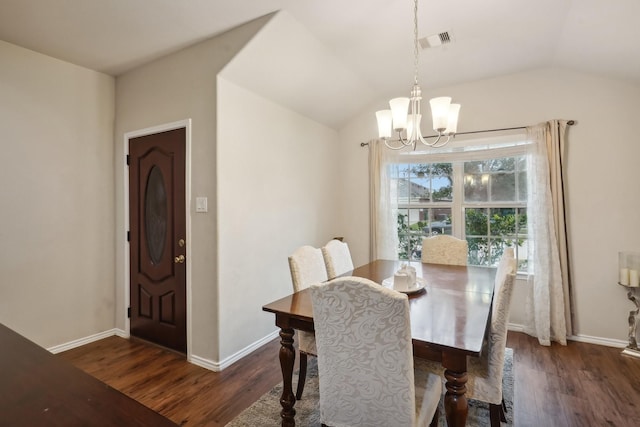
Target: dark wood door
157,238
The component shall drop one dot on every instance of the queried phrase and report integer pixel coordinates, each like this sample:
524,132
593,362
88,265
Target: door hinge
128,159
128,236
129,312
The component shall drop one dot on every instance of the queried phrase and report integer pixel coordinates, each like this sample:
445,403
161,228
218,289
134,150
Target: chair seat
307,343
428,389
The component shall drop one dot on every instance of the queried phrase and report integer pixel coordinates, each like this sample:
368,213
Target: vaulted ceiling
374,38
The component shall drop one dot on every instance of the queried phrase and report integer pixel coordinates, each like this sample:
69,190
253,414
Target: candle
624,276
634,278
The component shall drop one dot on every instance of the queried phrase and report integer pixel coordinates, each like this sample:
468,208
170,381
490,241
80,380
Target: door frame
186,123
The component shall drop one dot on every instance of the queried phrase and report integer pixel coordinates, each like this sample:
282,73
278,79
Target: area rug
266,411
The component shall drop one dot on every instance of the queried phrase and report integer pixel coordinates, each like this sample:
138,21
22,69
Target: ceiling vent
435,40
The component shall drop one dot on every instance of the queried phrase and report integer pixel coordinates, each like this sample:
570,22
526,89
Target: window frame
481,149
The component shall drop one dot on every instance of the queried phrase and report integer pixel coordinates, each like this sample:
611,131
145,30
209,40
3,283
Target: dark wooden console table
39,389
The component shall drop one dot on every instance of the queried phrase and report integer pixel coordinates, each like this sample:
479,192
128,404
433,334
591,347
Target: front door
157,238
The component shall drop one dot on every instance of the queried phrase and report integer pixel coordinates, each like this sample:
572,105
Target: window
482,201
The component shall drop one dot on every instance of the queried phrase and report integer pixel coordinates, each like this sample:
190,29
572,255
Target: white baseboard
196,360
86,340
219,366
515,327
609,342
599,340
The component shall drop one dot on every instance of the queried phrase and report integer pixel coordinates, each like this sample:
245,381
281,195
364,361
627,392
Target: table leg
287,359
455,401
632,348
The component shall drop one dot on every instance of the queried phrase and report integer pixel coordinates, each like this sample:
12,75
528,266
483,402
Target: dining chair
337,258
365,358
307,267
444,249
485,374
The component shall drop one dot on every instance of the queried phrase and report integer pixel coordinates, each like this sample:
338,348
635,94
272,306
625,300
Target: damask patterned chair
485,373
337,258
365,358
444,249
307,267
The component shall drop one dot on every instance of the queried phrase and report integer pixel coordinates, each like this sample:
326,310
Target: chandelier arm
432,143
406,142
402,144
443,143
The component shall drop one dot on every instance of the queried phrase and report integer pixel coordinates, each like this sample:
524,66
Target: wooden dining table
450,319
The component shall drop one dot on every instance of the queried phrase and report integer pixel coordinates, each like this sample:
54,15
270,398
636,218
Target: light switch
201,204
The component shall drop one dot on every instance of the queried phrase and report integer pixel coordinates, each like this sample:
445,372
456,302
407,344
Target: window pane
476,188
503,187
442,182
440,221
402,191
410,224
522,186
418,218
478,250
420,189
503,222
522,254
504,164
476,222
522,221
474,167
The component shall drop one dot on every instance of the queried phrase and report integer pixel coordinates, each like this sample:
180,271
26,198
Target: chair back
507,265
337,258
365,356
444,249
505,280
307,267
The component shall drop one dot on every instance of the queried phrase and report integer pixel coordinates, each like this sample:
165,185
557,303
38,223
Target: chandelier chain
407,123
415,41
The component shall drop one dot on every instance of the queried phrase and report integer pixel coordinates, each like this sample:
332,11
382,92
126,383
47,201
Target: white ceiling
372,37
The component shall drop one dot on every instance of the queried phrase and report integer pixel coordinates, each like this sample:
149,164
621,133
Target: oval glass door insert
155,215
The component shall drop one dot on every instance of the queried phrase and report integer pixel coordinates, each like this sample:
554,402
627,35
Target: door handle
179,259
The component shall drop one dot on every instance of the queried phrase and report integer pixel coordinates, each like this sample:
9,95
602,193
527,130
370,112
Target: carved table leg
287,359
632,348
455,401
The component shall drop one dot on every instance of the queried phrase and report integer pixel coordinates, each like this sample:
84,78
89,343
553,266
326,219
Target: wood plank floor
578,385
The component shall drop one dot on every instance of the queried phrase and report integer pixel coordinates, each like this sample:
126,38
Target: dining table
450,319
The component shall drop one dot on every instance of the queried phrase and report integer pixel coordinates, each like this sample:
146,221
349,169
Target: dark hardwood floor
578,385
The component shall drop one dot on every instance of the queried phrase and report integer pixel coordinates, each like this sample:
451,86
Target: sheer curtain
383,203
548,311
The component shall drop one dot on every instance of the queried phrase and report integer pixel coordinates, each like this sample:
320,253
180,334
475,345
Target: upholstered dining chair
337,258
485,373
365,358
444,249
307,267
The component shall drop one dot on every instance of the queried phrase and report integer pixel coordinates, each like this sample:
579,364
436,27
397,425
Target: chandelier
404,116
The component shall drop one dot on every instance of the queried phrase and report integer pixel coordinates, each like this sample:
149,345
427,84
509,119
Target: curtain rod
569,122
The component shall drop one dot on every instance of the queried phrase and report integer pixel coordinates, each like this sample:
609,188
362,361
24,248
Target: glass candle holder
629,269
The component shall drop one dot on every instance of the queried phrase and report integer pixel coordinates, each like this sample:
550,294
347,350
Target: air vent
435,40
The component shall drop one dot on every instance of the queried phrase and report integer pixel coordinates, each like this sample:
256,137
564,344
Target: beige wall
56,182
177,87
603,199
276,191
267,171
